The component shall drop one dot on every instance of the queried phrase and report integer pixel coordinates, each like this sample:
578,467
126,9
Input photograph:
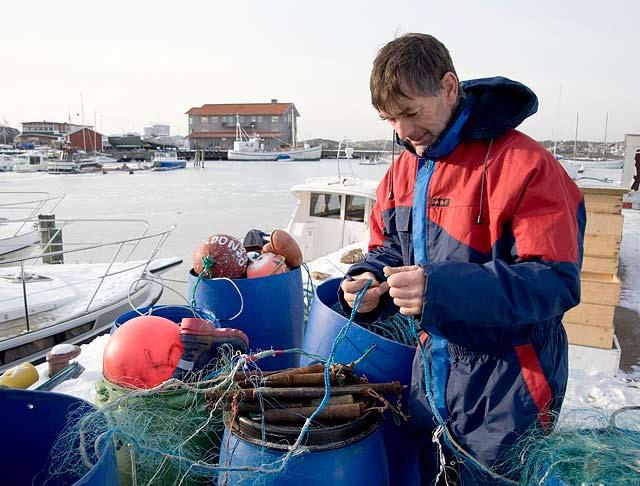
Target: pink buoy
265,265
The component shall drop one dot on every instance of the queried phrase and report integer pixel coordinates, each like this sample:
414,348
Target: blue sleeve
498,294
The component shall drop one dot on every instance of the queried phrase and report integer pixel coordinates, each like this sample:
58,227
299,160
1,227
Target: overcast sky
139,62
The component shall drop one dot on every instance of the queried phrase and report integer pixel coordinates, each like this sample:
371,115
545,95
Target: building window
214,119
253,119
354,208
190,121
325,205
203,119
259,119
275,119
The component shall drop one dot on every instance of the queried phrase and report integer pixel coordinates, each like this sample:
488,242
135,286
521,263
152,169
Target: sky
137,62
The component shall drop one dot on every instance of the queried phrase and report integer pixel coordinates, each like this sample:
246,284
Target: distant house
46,133
84,139
214,126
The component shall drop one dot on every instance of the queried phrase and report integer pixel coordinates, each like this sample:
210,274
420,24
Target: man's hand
406,286
371,297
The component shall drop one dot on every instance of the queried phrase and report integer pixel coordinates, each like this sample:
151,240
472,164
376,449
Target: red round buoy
143,352
228,256
265,265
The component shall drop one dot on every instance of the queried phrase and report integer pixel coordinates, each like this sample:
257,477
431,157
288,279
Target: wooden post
50,238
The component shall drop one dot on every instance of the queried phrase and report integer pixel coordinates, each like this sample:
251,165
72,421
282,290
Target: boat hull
312,153
163,166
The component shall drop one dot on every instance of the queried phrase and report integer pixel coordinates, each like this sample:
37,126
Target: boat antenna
338,159
393,160
349,162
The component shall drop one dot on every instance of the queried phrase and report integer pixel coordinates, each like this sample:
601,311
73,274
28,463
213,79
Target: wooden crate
604,224
598,264
591,314
601,289
595,337
591,322
603,245
597,201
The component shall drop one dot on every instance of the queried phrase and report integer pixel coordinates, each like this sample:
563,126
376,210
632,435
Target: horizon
135,66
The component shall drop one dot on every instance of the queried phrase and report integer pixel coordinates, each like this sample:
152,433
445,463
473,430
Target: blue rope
460,454
327,365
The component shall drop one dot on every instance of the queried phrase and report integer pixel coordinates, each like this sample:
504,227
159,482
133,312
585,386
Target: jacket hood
488,107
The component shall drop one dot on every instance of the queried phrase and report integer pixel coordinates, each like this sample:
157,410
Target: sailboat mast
84,141
293,127
575,140
604,143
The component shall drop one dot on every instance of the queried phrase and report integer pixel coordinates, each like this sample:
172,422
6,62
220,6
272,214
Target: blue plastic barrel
388,361
272,315
31,424
351,454
174,313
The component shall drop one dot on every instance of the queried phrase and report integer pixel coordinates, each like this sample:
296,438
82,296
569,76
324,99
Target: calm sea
225,197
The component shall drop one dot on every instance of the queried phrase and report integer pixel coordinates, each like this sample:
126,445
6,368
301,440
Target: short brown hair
411,65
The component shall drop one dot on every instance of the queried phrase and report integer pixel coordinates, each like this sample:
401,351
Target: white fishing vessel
73,163
73,294
331,213
6,163
30,161
253,148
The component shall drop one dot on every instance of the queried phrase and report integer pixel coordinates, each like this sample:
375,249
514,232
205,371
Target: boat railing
118,256
23,210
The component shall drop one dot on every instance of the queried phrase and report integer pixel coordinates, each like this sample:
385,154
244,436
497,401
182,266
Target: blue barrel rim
157,310
251,432
355,323
275,275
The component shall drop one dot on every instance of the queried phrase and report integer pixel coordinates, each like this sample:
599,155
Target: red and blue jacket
497,225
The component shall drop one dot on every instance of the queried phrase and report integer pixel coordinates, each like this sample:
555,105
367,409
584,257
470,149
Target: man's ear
450,87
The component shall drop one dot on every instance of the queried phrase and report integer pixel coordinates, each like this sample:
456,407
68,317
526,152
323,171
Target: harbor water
224,197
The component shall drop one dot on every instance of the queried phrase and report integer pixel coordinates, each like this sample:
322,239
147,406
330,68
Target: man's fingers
384,286
352,286
405,292
393,270
410,311
405,303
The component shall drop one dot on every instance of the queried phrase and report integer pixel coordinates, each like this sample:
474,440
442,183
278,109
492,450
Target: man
636,178
477,231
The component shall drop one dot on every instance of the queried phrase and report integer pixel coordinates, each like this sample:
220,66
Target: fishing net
171,434
397,327
587,448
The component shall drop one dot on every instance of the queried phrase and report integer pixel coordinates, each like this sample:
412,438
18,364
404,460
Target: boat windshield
325,205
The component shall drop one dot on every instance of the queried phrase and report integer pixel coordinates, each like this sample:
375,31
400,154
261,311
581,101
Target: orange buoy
143,352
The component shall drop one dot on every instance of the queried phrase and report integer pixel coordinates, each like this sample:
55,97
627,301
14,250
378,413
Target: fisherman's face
420,120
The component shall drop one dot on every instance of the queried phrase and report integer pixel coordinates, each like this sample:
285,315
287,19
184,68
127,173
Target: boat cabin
331,213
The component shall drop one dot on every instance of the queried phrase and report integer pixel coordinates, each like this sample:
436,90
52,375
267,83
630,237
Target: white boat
71,163
18,211
168,160
252,148
44,304
30,161
331,213
6,163
594,163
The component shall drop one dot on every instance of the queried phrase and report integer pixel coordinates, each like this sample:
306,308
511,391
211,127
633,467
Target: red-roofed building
214,126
